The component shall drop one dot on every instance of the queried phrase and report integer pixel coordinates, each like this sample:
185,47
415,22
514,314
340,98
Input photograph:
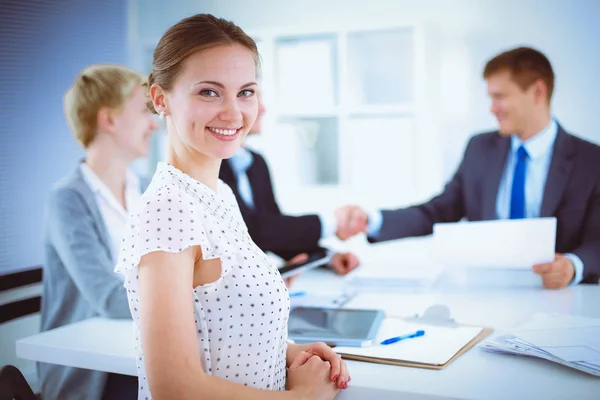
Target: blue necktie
517,194
245,189
240,163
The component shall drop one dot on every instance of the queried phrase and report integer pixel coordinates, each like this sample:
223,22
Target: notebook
434,350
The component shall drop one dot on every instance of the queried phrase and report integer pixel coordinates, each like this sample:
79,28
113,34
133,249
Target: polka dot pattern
241,318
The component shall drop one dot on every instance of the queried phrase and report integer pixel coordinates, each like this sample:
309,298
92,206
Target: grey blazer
571,194
78,280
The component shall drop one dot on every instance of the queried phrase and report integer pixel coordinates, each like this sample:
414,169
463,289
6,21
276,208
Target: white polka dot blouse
241,318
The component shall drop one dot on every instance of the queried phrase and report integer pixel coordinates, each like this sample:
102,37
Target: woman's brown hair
188,36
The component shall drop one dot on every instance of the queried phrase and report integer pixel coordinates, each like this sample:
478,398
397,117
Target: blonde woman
211,311
86,217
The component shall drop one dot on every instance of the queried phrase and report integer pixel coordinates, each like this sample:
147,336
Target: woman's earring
161,116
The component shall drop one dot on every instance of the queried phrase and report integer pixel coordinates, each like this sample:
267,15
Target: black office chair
13,385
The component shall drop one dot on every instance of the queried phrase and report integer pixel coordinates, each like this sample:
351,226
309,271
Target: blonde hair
97,86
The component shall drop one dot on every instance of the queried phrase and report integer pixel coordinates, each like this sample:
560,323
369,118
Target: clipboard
437,315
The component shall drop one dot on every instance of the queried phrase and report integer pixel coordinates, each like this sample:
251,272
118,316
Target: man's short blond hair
97,86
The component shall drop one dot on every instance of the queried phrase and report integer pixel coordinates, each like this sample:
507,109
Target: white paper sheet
499,244
573,353
568,340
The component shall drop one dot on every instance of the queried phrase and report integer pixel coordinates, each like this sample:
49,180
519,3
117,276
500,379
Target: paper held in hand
499,244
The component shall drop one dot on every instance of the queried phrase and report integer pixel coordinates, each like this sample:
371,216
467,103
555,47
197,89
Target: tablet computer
334,326
315,260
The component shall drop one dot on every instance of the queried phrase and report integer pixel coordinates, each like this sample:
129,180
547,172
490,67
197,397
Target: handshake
351,220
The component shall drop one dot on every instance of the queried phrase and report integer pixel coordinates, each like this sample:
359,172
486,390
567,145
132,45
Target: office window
306,74
380,68
353,97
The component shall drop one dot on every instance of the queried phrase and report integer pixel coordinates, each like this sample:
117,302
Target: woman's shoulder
170,219
165,184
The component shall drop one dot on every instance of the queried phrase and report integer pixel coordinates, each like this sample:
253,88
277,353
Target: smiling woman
211,311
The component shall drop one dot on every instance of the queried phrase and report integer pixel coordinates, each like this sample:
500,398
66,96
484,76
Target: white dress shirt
113,213
539,148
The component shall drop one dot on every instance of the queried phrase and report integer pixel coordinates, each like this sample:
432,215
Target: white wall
471,32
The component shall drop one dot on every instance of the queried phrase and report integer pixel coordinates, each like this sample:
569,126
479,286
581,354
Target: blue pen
297,294
399,338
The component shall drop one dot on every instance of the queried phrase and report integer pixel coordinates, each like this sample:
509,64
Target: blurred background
368,101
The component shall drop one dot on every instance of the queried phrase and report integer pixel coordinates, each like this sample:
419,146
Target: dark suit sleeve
419,220
284,235
272,231
589,250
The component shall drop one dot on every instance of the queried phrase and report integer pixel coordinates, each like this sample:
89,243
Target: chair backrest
13,385
25,298
20,300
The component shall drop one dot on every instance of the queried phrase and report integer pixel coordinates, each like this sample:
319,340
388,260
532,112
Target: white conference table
107,345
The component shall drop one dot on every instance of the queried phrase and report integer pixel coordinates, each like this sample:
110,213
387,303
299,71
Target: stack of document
576,347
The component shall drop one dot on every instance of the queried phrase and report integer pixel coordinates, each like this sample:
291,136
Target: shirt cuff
328,225
375,222
578,265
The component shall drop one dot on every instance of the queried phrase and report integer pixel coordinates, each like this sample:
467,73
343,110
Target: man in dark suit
531,167
292,238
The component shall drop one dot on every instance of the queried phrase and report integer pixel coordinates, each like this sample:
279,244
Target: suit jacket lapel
495,164
558,173
78,184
